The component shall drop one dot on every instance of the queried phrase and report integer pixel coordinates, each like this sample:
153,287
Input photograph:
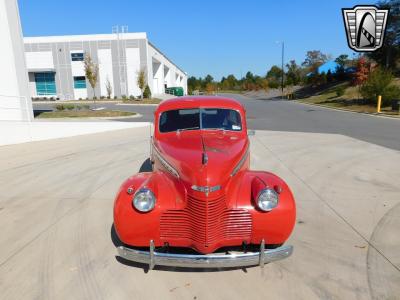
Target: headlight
267,199
144,200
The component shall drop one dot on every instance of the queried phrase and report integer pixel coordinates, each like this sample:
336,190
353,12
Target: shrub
80,98
115,97
131,97
86,106
69,106
94,98
123,97
147,92
102,97
108,97
339,91
60,107
379,82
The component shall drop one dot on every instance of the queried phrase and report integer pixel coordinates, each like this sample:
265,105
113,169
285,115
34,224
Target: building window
77,56
45,83
79,82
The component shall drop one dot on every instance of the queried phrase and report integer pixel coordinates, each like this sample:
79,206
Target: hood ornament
206,189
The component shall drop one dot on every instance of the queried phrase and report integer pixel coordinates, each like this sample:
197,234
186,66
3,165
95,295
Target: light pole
283,72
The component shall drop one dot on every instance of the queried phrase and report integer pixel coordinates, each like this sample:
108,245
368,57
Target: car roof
199,101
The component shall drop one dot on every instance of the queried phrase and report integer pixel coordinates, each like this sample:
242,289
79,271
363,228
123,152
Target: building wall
163,72
15,103
120,58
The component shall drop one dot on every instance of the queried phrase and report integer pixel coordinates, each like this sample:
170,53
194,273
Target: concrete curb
137,104
66,119
349,110
76,102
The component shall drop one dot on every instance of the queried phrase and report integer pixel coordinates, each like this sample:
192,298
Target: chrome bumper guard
153,258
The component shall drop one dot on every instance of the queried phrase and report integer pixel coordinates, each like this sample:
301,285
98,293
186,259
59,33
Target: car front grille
206,222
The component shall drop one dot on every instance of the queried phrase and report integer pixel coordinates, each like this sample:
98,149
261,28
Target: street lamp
283,53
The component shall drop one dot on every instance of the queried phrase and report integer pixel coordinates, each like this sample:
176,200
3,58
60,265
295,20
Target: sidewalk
15,132
351,111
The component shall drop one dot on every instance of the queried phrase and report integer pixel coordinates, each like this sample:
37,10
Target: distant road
283,115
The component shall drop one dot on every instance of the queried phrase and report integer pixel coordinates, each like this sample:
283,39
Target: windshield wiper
189,128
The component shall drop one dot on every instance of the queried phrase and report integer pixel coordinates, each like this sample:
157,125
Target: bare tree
141,81
92,73
108,88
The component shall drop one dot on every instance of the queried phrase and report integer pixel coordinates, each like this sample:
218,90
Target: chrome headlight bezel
141,196
267,199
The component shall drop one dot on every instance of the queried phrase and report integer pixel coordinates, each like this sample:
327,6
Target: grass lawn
142,101
230,92
349,100
84,114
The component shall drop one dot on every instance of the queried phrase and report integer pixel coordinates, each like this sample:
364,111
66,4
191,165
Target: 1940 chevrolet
201,196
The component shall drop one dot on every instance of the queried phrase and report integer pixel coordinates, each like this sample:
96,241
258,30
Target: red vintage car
201,196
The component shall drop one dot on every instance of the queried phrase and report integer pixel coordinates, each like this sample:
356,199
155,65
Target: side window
79,82
77,56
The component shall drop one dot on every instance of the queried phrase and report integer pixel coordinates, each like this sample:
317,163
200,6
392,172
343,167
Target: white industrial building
15,102
56,68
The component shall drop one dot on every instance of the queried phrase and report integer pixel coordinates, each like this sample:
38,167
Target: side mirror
251,132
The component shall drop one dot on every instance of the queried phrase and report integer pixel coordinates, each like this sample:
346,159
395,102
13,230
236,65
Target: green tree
249,77
314,59
274,77
380,82
92,73
232,82
108,88
342,61
389,54
141,81
208,79
293,74
193,84
147,92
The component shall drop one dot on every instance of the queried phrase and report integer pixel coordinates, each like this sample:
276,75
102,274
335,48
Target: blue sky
204,37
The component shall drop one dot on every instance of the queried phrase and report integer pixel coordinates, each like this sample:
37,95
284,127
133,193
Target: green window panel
79,82
45,84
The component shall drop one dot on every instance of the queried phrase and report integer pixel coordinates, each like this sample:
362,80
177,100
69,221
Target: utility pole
283,71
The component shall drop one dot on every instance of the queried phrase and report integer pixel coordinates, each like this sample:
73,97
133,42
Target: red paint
184,217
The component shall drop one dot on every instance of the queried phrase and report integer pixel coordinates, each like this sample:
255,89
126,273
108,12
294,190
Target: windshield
205,118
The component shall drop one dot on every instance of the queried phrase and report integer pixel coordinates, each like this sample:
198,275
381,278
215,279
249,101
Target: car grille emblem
206,189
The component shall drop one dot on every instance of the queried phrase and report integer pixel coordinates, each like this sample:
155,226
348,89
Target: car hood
184,151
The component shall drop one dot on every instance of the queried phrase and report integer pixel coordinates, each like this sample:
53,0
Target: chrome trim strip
164,162
205,261
240,163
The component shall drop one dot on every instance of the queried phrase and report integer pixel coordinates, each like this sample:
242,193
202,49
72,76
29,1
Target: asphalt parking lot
283,115
56,215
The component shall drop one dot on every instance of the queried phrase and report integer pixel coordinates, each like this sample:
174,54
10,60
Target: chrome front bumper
153,258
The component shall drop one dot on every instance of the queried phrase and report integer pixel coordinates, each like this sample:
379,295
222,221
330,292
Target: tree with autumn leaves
363,70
